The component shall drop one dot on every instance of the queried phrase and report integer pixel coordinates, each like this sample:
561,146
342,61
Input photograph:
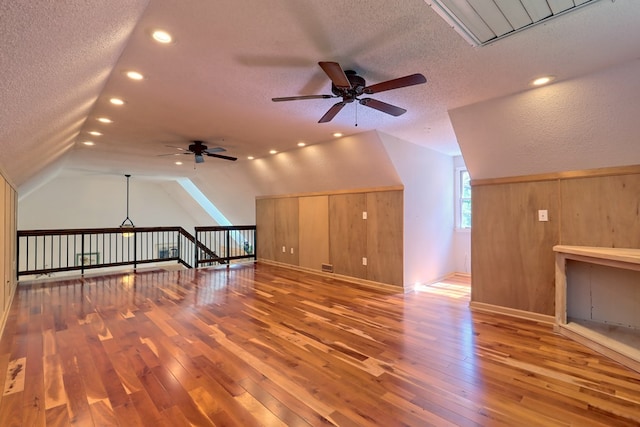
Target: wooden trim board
621,353
585,173
363,282
330,193
520,314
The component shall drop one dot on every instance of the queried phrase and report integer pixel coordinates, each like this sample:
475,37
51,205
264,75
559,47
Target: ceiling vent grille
484,21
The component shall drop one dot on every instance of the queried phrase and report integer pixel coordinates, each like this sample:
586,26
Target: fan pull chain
357,114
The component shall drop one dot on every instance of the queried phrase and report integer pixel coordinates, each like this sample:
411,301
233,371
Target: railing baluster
206,248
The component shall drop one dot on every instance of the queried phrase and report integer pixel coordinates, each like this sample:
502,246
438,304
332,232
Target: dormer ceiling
485,21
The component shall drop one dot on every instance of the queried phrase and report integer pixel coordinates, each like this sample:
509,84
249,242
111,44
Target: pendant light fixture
127,223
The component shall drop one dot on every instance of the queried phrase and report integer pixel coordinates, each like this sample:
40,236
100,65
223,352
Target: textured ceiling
62,61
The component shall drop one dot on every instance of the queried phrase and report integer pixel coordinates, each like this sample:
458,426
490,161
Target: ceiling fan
199,150
348,85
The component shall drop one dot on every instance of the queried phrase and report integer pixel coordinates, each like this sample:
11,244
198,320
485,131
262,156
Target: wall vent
327,268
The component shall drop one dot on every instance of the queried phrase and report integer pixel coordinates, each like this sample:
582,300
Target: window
463,199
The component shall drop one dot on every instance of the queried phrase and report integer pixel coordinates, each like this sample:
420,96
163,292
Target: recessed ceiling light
542,80
162,36
88,143
301,144
337,134
250,157
104,120
95,133
272,152
134,75
178,163
116,101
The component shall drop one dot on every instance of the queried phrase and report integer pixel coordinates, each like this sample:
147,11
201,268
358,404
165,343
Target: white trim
457,198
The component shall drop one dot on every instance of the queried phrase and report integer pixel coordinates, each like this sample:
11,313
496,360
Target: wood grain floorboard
258,345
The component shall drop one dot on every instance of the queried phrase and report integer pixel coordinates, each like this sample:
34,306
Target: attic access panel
482,22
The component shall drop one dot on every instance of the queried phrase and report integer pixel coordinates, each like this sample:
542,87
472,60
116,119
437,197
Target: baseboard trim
368,283
512,312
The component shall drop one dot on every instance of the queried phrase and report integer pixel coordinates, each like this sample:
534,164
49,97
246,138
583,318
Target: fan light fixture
127,224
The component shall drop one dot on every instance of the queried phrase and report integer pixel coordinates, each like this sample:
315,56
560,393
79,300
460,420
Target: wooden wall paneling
348,234
14,238
4,244
313,228
385,237
512,258
286,230
265,229
601,211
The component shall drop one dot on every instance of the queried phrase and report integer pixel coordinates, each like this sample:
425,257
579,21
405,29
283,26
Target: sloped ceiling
62,61
584,123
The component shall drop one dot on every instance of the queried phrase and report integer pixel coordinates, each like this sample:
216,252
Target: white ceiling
61,62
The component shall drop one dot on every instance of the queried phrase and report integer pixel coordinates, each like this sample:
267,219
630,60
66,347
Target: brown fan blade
295,98
220,156
336,74
413,79
332,112
383,106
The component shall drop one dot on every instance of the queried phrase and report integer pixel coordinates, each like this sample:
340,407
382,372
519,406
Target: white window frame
459,199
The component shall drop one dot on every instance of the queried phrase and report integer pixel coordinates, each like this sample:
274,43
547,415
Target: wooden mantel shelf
613,254
619,347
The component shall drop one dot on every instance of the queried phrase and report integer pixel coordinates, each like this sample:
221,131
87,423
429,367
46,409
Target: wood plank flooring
265,346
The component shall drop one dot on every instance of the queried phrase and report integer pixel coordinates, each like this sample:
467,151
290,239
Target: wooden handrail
47,251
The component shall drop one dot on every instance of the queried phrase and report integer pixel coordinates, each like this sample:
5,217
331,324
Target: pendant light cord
127,219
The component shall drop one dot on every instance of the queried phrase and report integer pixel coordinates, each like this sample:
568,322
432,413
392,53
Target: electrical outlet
284,249
364,260
291,251
543,215
364,215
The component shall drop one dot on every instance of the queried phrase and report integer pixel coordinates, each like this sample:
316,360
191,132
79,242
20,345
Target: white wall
360,161
428,210
100,201
351,162
584,123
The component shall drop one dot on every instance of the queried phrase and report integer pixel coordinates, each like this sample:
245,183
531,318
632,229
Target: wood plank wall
512,260
329,229
8,247
313,226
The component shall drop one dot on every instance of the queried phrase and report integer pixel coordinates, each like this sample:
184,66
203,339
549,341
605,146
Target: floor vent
327,268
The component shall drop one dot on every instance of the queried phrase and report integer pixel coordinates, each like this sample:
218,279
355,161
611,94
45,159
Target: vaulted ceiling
61,62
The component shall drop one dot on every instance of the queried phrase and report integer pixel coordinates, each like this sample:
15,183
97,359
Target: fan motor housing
357,87
197,147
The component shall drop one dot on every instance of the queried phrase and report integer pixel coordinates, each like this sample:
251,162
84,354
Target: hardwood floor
261,345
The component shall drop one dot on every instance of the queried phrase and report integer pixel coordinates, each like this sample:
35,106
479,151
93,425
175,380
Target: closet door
265,229
313,229
286,230
348,234
385,237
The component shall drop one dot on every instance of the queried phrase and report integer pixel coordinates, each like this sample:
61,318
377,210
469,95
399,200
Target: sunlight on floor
445,288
